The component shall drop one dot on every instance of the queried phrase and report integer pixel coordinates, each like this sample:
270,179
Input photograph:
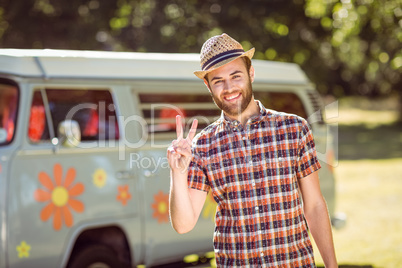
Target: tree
54,24
346,47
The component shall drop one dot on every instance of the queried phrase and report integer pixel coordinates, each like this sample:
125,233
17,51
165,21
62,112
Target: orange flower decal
123,195
59,196
161,207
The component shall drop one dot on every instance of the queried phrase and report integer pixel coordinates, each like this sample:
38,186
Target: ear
252,73
207,84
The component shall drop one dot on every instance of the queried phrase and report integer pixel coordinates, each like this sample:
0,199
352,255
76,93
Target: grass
369,184
371,132
383,141
370,193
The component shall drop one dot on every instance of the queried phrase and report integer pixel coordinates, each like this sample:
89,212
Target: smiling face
230,86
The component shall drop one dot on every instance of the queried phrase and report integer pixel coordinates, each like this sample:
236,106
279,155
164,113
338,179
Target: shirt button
250,162
253,183
244,138
262,254
257,208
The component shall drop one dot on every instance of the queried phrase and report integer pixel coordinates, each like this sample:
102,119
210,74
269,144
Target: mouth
232,97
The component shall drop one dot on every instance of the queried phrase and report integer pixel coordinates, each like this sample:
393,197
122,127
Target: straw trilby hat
218,51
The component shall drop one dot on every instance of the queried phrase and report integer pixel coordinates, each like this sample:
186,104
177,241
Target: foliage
346,47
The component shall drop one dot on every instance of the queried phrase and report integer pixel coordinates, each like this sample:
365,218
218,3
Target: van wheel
94,256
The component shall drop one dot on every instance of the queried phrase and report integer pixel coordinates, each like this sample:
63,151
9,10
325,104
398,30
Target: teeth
232,97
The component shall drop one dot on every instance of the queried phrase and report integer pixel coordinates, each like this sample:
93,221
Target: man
256,162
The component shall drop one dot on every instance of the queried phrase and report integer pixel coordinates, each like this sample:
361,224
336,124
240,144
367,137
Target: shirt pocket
278,162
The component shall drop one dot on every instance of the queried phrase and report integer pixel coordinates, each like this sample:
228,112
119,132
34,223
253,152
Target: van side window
160,110
282,102
9,98
37,127
93,110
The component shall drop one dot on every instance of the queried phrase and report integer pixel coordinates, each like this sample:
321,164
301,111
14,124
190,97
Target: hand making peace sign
179,152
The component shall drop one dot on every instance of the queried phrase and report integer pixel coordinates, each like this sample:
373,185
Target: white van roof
51,63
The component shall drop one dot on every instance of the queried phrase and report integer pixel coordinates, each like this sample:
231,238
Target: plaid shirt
253,173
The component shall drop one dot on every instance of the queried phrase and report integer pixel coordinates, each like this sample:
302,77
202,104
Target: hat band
221,57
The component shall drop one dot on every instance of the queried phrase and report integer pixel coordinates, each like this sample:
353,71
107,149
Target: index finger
179,128
192,131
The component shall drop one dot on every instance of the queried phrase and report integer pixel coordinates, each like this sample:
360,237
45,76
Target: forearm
180,206
320,228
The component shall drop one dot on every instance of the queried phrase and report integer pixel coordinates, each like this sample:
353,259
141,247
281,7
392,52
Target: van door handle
148,173
121,175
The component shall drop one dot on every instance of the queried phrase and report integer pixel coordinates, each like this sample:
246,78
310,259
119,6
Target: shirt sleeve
197,175
307,161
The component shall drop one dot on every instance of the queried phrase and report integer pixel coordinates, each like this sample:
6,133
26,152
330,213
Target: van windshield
8,111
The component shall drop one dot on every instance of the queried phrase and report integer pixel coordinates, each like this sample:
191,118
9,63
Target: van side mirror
69,133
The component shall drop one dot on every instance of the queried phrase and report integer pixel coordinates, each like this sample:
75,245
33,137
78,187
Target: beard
235,110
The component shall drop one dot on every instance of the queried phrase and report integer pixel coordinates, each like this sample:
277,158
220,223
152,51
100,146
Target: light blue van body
83,138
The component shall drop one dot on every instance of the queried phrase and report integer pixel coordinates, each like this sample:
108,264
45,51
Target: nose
228,86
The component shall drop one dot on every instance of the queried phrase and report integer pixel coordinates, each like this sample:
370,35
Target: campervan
84,177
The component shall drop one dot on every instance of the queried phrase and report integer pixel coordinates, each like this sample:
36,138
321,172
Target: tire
94,256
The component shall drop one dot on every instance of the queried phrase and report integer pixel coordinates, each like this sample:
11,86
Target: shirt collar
230,122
